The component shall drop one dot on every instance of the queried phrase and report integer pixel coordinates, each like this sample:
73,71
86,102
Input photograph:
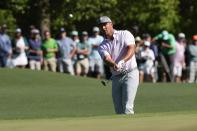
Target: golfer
118,52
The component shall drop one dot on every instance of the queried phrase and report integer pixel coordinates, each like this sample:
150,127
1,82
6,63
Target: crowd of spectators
75,54
162,58
167,58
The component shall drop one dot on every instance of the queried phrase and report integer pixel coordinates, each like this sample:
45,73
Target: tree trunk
44,16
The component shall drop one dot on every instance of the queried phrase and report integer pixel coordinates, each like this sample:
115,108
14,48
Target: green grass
28,94
186,122
57,102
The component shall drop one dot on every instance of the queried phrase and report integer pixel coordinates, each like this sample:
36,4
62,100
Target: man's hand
115,67
121,65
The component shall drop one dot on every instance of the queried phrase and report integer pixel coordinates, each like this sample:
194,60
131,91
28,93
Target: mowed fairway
37,101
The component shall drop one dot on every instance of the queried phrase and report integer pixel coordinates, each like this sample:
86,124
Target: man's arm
165,45
130,52
108,60
107,57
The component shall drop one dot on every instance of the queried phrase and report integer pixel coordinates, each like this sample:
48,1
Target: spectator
147,67
49,48
96,63
75,38
66,49
154,48
168,49
179,58
193,61
20,46
35,52
139,46
83,50
5,47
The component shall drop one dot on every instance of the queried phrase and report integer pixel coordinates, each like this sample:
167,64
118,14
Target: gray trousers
193,72
124,88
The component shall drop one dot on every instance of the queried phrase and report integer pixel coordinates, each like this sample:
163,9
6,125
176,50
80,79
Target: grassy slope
167,122
30,94
27,94
35,95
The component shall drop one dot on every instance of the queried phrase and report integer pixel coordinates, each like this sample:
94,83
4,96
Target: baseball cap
164,32
96,29
62,29
18,30
181,35
195,37
165,35
138,38
35,31
146,43
84,33
104,19
74,33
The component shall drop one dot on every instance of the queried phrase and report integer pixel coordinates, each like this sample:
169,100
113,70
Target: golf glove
121,65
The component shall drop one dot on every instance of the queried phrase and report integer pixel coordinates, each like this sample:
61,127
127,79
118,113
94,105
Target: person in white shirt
96,63
179,58
20,47
118,52
147,67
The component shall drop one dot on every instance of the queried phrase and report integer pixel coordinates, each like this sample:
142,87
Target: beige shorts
50,64
82,66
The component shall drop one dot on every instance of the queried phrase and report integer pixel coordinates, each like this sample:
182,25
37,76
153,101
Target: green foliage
149,15
7,18
14,5
188,13
80,13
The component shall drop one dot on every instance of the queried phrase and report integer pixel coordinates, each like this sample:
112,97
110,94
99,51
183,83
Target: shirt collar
114,35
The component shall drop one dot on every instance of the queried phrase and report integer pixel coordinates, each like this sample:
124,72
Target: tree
149,15
8,11
7,18
188,13
80,14
143,15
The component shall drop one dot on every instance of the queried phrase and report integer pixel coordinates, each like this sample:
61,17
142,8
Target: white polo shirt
117,48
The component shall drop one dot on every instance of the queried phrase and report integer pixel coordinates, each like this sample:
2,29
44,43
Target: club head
103,83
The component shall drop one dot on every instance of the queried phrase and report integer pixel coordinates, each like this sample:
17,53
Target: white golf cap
74,33
181,35
18,30
84,33
146,43
138,38
104,19
62,29
164,32
35,31
96,29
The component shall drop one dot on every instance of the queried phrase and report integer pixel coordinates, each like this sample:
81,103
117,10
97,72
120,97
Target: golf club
106,81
